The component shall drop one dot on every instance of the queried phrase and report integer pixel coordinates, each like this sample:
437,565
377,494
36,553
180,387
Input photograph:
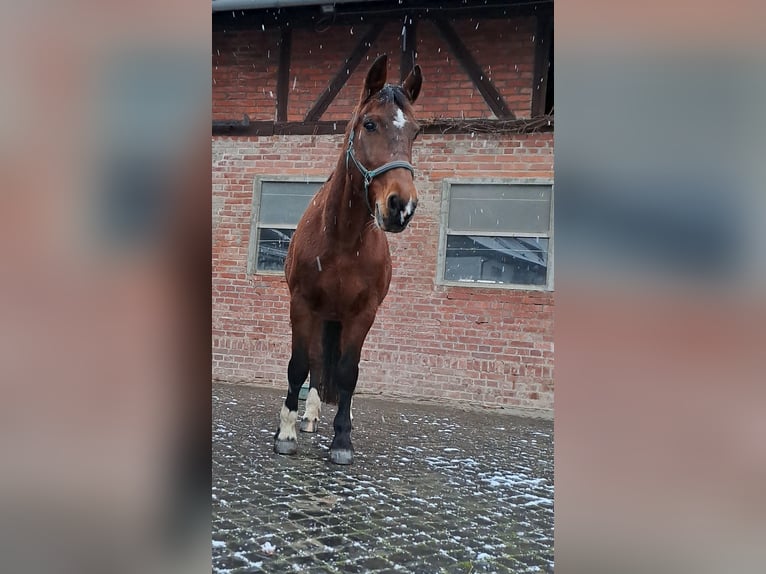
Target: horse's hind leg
286,439
310,419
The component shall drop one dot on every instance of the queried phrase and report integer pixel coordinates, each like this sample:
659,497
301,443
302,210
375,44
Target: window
278,205
497,233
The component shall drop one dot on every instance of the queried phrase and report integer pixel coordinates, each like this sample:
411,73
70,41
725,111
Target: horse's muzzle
400,213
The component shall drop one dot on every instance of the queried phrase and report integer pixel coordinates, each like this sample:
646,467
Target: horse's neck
346,212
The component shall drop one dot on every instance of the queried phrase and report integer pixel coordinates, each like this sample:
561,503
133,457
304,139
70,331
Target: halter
370,174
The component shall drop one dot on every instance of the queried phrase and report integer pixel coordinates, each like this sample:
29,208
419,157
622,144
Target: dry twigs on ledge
488,126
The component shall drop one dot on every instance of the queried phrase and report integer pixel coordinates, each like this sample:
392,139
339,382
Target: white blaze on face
399,119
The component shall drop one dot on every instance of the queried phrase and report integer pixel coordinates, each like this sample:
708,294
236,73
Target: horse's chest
343,284
352,276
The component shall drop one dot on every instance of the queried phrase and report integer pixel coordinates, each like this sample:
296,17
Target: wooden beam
435,126
270,128
244,127
283,76
343,74
487,89
543,39
313,128
409,45
231,124
307,17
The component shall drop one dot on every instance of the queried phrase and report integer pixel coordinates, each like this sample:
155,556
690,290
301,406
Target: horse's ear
376,77
412,83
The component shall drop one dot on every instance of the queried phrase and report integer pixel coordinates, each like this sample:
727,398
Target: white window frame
255,226
444,231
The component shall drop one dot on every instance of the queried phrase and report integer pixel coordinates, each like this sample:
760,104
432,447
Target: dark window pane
505,260
272,248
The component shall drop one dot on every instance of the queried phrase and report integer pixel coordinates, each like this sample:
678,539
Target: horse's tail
328,390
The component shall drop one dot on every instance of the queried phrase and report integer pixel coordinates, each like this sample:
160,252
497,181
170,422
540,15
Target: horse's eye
369,126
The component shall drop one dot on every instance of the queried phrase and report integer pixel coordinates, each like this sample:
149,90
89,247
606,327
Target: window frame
255,209
444,231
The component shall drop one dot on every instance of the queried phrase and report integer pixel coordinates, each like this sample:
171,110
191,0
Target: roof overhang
223,5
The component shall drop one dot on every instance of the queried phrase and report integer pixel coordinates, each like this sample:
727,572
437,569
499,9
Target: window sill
491,285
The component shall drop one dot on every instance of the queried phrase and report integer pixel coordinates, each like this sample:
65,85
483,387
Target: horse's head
380,146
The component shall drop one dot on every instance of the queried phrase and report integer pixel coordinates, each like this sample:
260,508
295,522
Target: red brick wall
245,66
486,346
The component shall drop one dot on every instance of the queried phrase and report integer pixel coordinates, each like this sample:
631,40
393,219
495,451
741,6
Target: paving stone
432,489
374,563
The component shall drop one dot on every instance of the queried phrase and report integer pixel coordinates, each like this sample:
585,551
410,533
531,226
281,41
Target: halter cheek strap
370,174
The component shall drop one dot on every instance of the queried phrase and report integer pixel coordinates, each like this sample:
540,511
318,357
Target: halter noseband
370,174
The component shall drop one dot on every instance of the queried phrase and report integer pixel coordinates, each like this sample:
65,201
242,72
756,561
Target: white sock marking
313,406
399,119
287,420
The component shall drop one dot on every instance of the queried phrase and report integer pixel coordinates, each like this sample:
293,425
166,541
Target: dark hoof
285,446
341,456
309,425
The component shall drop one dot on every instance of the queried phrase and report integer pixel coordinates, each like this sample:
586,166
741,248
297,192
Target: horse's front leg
341,449
353,334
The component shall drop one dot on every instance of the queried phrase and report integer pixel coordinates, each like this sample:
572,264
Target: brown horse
338,266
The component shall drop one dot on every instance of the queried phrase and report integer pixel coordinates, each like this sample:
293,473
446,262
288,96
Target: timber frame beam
436,126
283,79
409,46
543,41
486,88
343,73
312,122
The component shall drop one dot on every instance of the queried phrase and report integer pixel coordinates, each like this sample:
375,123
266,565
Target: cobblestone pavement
432,489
